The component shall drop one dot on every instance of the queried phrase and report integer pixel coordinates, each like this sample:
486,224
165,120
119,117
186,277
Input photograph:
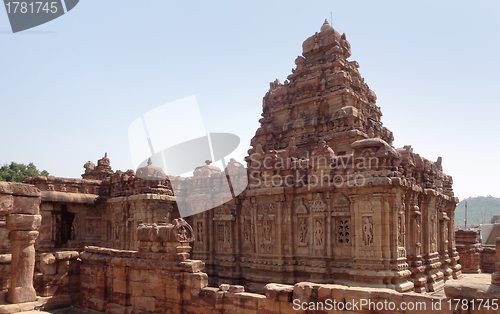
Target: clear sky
69,89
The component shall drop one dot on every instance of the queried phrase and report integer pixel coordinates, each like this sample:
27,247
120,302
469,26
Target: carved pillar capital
18,238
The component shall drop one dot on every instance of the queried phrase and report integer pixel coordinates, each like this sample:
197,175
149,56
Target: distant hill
480,210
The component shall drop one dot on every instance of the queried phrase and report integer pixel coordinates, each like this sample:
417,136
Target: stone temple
329,198
330,206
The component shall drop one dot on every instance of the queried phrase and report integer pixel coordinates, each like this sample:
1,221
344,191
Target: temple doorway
62,222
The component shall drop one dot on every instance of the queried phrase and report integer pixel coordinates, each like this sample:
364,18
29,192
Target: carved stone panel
319,232
265,214
366,204
318,206
301,208
343,231
341,204
92,228
247,230
367,227
223,236
401,230
199,231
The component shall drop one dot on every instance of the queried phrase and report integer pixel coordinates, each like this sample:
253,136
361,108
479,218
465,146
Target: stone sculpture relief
303,230
368,230
318,232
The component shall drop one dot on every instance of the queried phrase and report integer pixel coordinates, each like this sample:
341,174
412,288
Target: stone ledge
20,189
147,196
5,258
65,197
6,308
472,286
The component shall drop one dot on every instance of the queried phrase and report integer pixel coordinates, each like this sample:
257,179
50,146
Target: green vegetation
19,172
480,210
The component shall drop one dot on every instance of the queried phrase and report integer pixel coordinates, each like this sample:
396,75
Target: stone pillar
495,278
22,235
22,267
469,251
452,249
20,203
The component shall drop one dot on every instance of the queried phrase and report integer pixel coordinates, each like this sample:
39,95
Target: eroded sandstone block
495,278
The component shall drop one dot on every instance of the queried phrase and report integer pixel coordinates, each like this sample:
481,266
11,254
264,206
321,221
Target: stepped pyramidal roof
325,98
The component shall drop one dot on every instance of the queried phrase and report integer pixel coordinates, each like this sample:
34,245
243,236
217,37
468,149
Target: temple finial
150,162
326,26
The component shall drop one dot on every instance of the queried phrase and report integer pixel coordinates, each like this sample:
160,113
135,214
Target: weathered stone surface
23,222
472,287
19,189
279,292
48,264
224,287
466,236
236,289
26,205
22,267
66,255
495,278
329,200
6,203
64,197
325,184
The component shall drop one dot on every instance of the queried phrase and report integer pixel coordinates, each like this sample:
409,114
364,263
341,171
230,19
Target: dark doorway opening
63,222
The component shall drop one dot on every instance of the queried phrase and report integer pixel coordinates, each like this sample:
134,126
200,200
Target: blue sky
70,88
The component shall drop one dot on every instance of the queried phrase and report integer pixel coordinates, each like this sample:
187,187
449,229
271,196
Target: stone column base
21,294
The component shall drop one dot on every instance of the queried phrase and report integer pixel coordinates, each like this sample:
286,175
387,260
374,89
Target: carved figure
266,230
302,230
367,231
433,228
247,230
227,233
200,231
318,233
445,231
74,229
183,234
371,133
183,231
117,232
401,231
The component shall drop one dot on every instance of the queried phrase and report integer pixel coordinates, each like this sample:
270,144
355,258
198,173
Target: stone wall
475,257
495,278
489,259
154,279
160,278
103,209
5,260
58,277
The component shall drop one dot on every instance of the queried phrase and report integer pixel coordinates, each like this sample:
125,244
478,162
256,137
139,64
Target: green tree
19,172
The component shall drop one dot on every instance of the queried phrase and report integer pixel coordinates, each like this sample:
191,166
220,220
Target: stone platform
472,286
7,308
